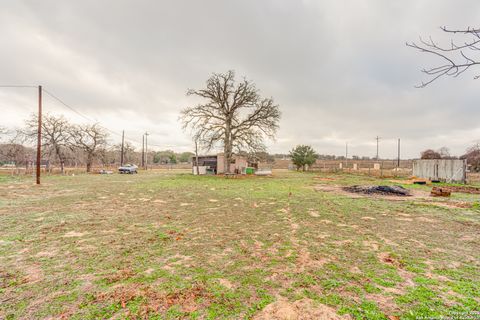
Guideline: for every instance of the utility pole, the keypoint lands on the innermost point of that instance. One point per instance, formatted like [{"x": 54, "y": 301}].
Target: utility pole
[
  {"x": 196, "y": 156},
  {"x": 398, "y": 156},
  {"x": 346, "y": 154},
  {"x": 146, "y": 151},
  {"x": 377, "y": 138},
  {"x": 39, "y": 133},
  {"x": 143, "y": 151},
  {"x": 121, "y": 155}
]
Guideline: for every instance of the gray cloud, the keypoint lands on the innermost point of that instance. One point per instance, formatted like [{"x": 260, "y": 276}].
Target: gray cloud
[{"x": 339, "y": 69}]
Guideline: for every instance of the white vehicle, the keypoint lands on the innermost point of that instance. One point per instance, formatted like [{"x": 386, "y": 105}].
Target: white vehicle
[{"x": 128, "y": 168}]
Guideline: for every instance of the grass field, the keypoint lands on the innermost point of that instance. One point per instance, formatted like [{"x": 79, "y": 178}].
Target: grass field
[{"x": 166, "y": 245}]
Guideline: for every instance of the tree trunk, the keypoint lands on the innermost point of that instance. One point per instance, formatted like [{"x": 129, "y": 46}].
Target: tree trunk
[
  {"x": 196, "y": 157},
  {"x": 227, "y": 150},
  {"x": 89, "y": 163},
  {"x": 226, "y": 160}
]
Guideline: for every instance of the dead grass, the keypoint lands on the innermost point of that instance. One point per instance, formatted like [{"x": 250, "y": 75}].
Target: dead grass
[{"x": 172, "y": 245}]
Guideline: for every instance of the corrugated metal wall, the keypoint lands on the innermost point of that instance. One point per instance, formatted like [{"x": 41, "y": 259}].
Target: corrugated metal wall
[{"x": 440, "y": 169}]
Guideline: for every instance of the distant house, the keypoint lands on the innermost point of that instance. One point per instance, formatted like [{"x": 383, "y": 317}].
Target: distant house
[{"x": 214, "y": 164}]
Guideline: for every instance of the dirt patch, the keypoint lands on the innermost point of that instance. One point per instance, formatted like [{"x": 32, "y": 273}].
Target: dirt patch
[
  {"x": 119, "y": 276},
  {"x": 47, "y": 254},
  {"x": 371, "y": 244},
  {"x": 226, "y": 283},
  {"x": 404, "y": 219},
  {"x": 385, "y": 303},
  {"x": 34, "y": 274},
  {"x": 6, "y": 278},
  {"x": 324, "y": 179},
  {"x": 449, "y": 204},
  {"x": 73, "y": 234},
  {"x": 313, "y": 213},
  {"x": 346, "y": 242},
  {"x": 387, "y": 258},
  {"x": 299, "y": 310},
  {"x": 304, "y": 260},
  {"x": 190, "y": 299},
  {"x": 326, "y": 221},
  {"x": 425, "y": 219}
]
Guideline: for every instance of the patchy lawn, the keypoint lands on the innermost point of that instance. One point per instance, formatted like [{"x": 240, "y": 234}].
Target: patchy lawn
[{"x": 166, "y": 245}]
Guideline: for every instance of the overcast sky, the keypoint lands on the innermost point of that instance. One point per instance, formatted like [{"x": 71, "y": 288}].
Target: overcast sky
[{"x": 339, "y": 70}]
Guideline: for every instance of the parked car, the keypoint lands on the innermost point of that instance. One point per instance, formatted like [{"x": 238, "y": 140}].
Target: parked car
[{"x": 128, "y": 168}]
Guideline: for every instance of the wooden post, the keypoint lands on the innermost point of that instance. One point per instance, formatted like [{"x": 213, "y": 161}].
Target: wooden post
[
  {"x": 196, "y": 157},
  {"x": 143, "y": 151},
  {"x": 146, "y": 151},
  {"x": 39, "y": 133},
  {"x": 398, "y": 157},
  {"x": 121, "y": 155}
]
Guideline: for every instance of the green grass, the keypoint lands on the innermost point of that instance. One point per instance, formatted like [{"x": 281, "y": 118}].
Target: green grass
[{"x": 169, "y": 245}]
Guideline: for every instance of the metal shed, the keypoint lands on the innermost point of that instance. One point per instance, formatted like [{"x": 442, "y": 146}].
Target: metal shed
[{"x": 447, "y": 170}]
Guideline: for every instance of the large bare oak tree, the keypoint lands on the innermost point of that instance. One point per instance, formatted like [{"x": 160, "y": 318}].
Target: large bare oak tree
[
  {"x": 456, "y": 58},
  {"x": 233, "y": 115}
]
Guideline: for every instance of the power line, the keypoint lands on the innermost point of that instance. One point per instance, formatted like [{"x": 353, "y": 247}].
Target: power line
[
  {"x": 84, "y": 116},
  {"x": 68, "y": 106},
  {"x": 16, "y": 86}
]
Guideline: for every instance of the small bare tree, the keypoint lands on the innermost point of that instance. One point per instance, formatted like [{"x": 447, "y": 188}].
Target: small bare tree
[
  {"x": 456, "y": 58},
  {"x": 233, "y": 116},
  {"x": 3, "y": 134},
  {"x": 129, "y": 154},
  {"x": 92, "y": 139},
  {"x": 56, "y": 136}
]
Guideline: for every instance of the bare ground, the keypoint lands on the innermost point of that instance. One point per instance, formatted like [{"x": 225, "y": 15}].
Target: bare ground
[{"x": 295, "y": 246}]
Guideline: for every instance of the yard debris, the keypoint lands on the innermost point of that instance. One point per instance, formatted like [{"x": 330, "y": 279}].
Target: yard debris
[
  {"x": 263, "y": 172},
  {"x": 383, "y": 190},
  {"x": 462, "y": 189},
  {"x": 440, "y": 192},
  {"x": 120, "y": 275},
  {"x": 421, "y": 182}
]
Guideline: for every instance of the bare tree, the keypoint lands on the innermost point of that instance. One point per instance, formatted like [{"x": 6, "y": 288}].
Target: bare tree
[
  {"x": 56, "y": 137},
  {"x": 12, "y": 149},
  {"x": 92, "y": 139},
  {"x": 233, "y": 116},
  {"x": 457, "y": 57},
  {"x": 129, "y": 154},
  {"x": 3, "y": 133},
  {"x": 473, "y": 157},
  {"x": 430, "y": 154}
]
